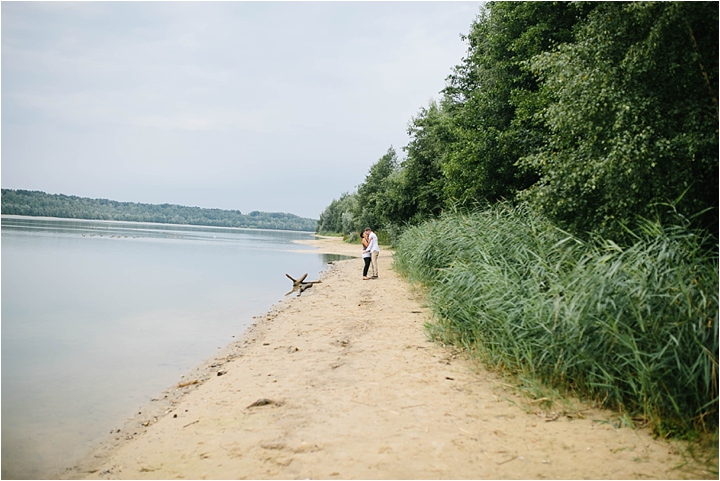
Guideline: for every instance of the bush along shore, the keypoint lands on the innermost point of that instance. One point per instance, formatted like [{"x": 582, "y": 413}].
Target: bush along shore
[{"x": 633, "y": 327}]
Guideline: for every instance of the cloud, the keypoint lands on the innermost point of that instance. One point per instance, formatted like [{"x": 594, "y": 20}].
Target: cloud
[{"x": 116, "y": 96}]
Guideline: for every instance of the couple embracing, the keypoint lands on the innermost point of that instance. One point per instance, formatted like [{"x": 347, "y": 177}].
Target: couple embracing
[{"x": 370, "y": 254}]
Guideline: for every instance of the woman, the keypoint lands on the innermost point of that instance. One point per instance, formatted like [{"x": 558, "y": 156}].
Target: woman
[{"x": 366, "y": 255}]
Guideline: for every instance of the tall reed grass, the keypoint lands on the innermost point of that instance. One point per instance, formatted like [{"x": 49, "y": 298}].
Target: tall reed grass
[{"x": 635, "y": 328}]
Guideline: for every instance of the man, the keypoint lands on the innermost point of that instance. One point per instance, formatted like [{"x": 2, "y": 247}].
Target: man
[{"x": 374, "y": 249}]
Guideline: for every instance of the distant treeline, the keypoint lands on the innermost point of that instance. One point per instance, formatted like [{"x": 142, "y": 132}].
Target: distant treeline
[{"x": 36, "y": 203}]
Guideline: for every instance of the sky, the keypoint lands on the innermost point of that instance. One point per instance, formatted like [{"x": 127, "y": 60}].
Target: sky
[{"x": 267, "y": 106}]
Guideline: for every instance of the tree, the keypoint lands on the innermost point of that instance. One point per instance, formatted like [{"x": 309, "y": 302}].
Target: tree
[
  {"x": 372, "y": 193},
  {"x": 420, "y": 192},
  {"x": 492, "y": 98},
  {"x": 632, "y": 117},
  {"x": 337, "y": 218}
]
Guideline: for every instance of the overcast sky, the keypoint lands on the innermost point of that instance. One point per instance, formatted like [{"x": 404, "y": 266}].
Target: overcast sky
[{"x": 269, "y": 106}]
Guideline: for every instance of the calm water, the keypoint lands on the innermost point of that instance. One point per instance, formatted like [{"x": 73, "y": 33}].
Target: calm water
[{"x": 97, "y": 317}]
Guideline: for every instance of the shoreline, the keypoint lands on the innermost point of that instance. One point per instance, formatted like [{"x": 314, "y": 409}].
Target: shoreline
[
  {"x": 341, "y": 383},
  {"x": 169, "y": 398}
]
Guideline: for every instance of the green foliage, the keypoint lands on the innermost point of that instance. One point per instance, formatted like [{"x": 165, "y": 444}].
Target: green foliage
[
  {"x": 595, "y": 112},
  {"x": 35, "y": 203},
  {"x": 635, "y": 328},
  {"x": 369, "y": 206},
  {"x": 632, "y": 118},
  {"x": 372, "y": 198},
  {"x": 338, "y": 217},
  {"x": 421, "y": 185},
  {"x": 492, "y": 99}
]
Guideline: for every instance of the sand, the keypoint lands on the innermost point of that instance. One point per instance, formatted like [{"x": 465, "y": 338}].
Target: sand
[{"x": 342, "y": 383}]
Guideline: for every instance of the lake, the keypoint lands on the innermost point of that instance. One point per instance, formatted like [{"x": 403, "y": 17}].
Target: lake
[{"x": 99, "y": 316}]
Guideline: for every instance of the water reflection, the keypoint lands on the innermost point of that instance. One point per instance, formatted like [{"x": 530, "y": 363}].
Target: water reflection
[{"x": 328, "y": 258}]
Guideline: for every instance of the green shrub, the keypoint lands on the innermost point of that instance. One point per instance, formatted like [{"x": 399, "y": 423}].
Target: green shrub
[{"x": 635, "y": 328}]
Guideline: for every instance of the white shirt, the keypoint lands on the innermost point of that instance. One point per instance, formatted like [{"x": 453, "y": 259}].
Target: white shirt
[{"x": 373, "y": 246}]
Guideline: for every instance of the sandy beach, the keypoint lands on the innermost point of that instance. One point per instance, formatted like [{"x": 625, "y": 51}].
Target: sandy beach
[{"x": 342, "y": 383}]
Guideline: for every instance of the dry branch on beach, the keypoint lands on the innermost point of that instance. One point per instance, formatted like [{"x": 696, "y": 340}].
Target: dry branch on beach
[{"x": 299, "y": 285}]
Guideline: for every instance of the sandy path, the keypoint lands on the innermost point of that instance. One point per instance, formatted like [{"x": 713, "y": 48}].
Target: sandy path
[{"x": 357, "y": 392}]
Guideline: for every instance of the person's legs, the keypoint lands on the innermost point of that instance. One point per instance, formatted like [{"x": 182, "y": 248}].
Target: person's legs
[
  {"x": 374, "y": 256},
  {"x": 367, "y": 265}
]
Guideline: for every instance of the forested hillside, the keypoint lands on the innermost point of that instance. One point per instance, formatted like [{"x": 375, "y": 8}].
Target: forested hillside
[
  {"x": 35, "y": 203},
  {"x": 593, "y": 113}
]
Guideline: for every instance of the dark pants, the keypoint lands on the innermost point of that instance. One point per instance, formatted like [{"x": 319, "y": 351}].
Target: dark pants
[{"x": 367, "y": 265}]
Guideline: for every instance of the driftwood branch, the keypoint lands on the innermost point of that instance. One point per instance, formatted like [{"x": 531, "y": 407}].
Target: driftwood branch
[{"x": 299, "y": 285}]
